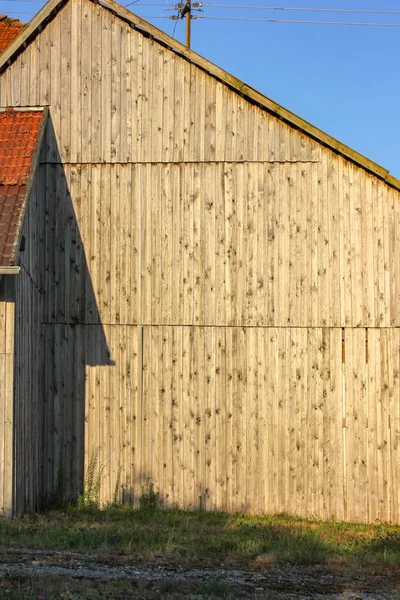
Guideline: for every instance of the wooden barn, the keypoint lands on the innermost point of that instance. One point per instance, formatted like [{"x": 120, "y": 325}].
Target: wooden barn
[{"x": 198, "y": 288}]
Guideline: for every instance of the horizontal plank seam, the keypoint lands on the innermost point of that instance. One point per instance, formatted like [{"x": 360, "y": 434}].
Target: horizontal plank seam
[
  {"x": 186, "y": 162},
  {"x": 74, "y": 323}
]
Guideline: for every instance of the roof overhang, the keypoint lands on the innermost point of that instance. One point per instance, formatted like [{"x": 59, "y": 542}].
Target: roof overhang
[
  {"x": 19, "y": 196},
  {"x": 53, "y": 6},
  {"x": 10, "y": 270}
]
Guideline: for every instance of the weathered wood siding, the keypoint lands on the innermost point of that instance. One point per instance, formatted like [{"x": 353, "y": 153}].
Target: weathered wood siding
[
  {"x": 117, "y": 96},
  {"x": 235, "y": 418},
  {"x": 7, "y": 311},
  {"x": 29, "y": 406},
  {"x": 255, "y": 244},
  {"x": 199, "y": 264}
]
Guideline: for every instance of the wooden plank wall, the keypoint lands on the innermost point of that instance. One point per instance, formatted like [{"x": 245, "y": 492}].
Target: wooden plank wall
[
  {"x": 235, "y": 418},
  {"x": 7, "y": 309},
  {"x": 198, "y": 262},
  {"x": 222, "y": 244},
  {"x": 29, "y": 360},
  {"x": 122, "y": 97}
]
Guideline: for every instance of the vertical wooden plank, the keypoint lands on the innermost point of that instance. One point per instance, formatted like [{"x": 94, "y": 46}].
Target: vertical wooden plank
[
  {"x": 76, "y": 81},
  {"x": 209, "y": 419},
  {"x": 110, "y": 226},
  {"x": 177, "y": 245},
  {"x": 146, "y": 434},
  {"x": 166, "y": 391},
  {"x": 379, "y": 272},
  {"x": 383, "y": 428},
  {"x": 160, "y": 235},
  {"x": 345, "y": 244},
  {"x": 292, "y": 422},
  {"x": 136, "y": 363},
  {"x": 281, "y": 282},
  {"x": 220, "y": 420},
  {"x": 167, "y": 314},
  {"x": 194, "y": 421},
  {"x": 96, "y": 83},
  {"x": 86, "y": 82},
  {"x": 198, "y": 247},
  {"x": 176, "y": 102},
  {"x": 65, "y": 85},
  {"x": 106, "y": 84},
  {"x": 241, "y": 245},
  {"x": 251, "y": 423},
  {"x": 144, "y": 120},
  {"x": 263, "y": 438},
  {"x": 387, "y": 258},
  {"x": 154, "y": 398},
  {"x": 272, "y": 416},
  {"x": 220, "y": 123},
  {"x": 368, "y": 254},
  {"x": 337, "y": 449},
  {"x": 395, "y": 422},
  {"x": 117, "y": 118},
  {"x": 209, "y": 247},
  {"x": 8, "y": 435},
  {"x": 393, "y": 374},
  {"x": 145, "y": 250},
  {"x": 123, "y": 245},
  {"x": 230, "y": 339},
  {"x": 135, "y": 258},
  {"x": 210, "y": 119},
  {"x": 178, "y": 412},
  {"x": 271, "y": 243}
]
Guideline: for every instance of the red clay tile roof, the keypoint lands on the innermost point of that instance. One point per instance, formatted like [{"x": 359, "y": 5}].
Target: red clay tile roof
[
  {"x": 9, "y": 29},
  {"x": 18, "y": 135}
]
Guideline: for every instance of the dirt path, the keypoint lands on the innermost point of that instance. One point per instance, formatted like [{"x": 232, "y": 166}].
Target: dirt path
[{"x": 174, "y": 581}]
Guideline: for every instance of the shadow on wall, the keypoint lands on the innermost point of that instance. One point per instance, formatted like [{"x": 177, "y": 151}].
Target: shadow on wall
[{"x": 71, "y": 334}]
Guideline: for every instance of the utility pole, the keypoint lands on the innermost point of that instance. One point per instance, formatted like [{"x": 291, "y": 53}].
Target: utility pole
[
  {"x": 188, "y": 22},
  {"x": 188, "y": 12},
  {"x": 185, "y": 9}
]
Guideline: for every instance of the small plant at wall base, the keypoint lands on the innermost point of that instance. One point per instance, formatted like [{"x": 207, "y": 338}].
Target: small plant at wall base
[
  {"x": 149, "y": 499},
  {"x": 115, "y": 504},
  {"x": 91, "y": 491}
]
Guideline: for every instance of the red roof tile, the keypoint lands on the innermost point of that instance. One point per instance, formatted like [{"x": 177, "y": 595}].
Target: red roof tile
[
  {"x": 9, "y": 29},
  {"x": 18, "y": 135}
]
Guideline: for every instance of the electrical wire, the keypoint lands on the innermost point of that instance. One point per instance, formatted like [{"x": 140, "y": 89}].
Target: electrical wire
[
  {"x": 243, "y": 7},
  {"x": 304, "y": 22},
  {"x": 290, "y": 9}
]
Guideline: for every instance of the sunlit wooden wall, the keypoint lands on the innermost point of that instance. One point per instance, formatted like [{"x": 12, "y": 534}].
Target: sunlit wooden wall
[{"x": 217, "y": 292}]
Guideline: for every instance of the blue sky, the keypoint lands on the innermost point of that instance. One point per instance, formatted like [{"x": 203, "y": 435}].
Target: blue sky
[{"x": 343, "y": 79}]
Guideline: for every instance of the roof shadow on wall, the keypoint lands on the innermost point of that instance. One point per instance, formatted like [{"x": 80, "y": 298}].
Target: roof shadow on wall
[{"x": 72, "y": 333}]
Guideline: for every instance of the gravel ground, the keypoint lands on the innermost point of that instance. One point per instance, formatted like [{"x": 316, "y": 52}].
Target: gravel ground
[{"x": 263, "y": 579}]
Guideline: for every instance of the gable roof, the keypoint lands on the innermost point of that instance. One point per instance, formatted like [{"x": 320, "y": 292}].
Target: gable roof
[
  {"x": 9, "y": 30},
  {"x": 52, "y": 7},
  {"x": 20, "y": 136}
]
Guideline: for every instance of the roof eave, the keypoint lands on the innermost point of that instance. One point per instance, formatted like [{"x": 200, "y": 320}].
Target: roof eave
[{"x": 13, "y": 270}]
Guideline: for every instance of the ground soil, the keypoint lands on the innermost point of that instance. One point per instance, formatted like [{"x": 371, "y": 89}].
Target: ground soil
[{"x": 120, "y": 577}]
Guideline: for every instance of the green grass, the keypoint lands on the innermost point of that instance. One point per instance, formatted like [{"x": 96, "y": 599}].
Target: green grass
[
  {"x": 204, "y": 537},
  {"x": 185, "y": 539}
]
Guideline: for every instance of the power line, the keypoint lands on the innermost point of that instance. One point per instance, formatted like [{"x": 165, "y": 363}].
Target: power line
[
  {"x": 242, "y": 7},
  {"x": 305, "y": 22},
  {"x": 307, "y": 9}
]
